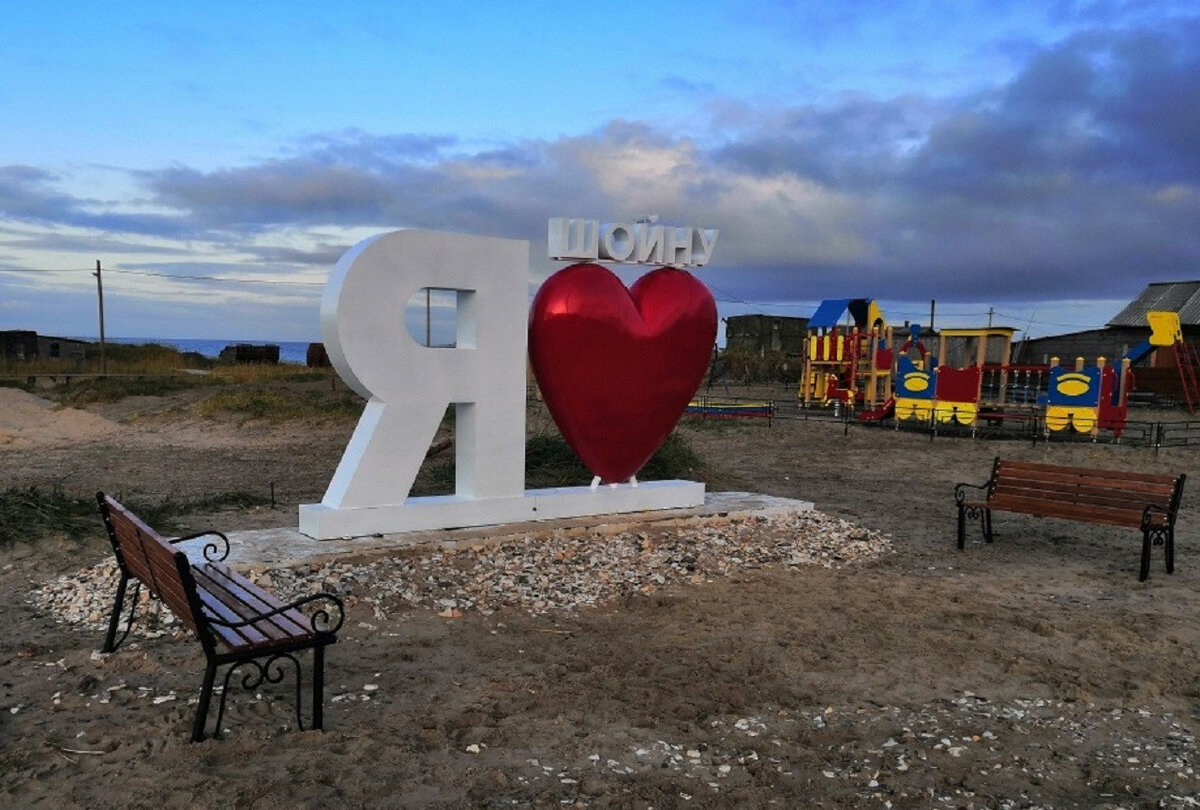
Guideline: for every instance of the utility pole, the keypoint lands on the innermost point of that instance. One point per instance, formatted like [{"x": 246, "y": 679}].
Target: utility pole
[
  {"x": 100, "y": 294},
  {"x": 990, "y": 311}
]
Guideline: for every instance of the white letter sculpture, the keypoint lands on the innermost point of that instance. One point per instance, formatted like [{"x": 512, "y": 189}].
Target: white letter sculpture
[{"x": 408, "y": 387}]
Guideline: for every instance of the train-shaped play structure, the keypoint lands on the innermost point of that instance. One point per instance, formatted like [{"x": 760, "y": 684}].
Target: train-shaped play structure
[{"x": 852, "y": 361}]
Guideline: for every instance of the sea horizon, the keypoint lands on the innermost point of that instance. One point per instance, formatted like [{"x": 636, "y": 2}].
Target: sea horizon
[{"x": 290, "y": 351}]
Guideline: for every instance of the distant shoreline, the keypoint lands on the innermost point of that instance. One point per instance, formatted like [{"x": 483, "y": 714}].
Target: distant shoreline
[{"x": 290, "y": 351}]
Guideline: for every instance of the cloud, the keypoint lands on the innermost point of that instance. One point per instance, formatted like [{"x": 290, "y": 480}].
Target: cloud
[
  {"x": 1077, "y": 177},
  {"x": 26, "y": 193}
]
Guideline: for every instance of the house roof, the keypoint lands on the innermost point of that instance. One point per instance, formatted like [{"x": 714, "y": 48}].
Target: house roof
[{"x": 1182, "y": 297}]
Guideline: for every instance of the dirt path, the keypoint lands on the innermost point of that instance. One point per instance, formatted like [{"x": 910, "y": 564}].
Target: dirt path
[{"x": 1035, "y": 672}]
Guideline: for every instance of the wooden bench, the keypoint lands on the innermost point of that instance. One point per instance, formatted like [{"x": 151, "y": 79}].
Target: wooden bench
[
  {"x": 1105, "y": 497},
  {"x": 238, "y": 623}
]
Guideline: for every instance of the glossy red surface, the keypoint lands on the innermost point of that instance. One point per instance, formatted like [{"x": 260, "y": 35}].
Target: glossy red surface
[{"x": 617, "y": 366}]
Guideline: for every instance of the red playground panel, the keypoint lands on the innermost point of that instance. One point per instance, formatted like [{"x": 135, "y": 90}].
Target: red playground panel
[{"x": 958, "y": 384}]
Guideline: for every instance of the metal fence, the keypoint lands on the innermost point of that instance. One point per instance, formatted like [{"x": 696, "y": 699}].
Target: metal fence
[{"x": 1020, "y": 425}]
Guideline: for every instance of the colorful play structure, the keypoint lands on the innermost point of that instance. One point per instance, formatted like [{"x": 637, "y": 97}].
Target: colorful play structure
[
  {"x": 852, "y": 362},
  {"x": 847, "y": 363}
]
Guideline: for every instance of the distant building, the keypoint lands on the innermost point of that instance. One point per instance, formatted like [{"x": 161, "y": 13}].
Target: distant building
[
  {"x": 1157, "y": 372},
  {"x": 16, "y": 345},
  {"x": 1182, "y": 297},
  {"x": 249, "y": 353},
  {"x": 19, "y": 345},
  {"x": 316, "y": 356},
  {"x": 1126, "y": 330},
  {"x": 1111, "y": 343},
  {"x": 759, "y": 334}
]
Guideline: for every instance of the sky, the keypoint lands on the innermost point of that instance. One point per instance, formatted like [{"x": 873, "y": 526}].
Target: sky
[{"x": 1032, "y": 163}]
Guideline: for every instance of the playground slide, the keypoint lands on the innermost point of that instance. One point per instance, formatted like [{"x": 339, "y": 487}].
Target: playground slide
[{"x": 879, "y": 414}]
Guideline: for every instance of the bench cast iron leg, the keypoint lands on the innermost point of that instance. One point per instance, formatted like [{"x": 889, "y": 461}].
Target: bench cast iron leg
[
  {"x": 210, "y": 675},
  {"x": 1145, "y": 569},
  {"x": 116, "y": 615},
  {"x": 985, "y": 522},
  {"x": 318, "y": 716},
  {"x": 1170, "y": 550}
]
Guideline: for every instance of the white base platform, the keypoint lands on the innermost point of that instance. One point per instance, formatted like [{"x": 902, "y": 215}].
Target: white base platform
[
  {"x": 285, "y": 547},
  {"x": 452, "y": 511}
]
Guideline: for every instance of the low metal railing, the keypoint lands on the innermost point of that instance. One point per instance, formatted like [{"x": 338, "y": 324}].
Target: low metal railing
[{"x": 1023, "y": 425}]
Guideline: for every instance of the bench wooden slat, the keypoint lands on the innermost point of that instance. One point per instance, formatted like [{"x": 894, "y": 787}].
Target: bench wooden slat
[
  {"x": 1144, "y": 492},
  {"x": 223, "y": 596},
  {"x": 255, "y": 600},
  {"x": 1113, "y": 502},
  {"x": 234, "y": 637},
  {"x": 166, "y": 582},
  {"x": 1071, "y": 478},
  {"x": 1085, "y": 492},
  {"x": 1063, "y": 511},
  {"x": 1088, "y": 513},
  {"x": 131, "y": 552},
  {"x": 1121, "y": 476}
]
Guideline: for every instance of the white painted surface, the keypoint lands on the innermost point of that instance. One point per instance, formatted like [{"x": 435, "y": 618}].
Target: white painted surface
[
  {"x": 632, "y": 243},
  {"x": 409, "y": 386},
  {"x": 456, "y": 511}
]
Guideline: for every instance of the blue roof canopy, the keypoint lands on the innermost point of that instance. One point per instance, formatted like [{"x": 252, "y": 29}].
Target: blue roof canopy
[
  {"x": 828, "y": 313},
  {"x": 831, "y": 310}
]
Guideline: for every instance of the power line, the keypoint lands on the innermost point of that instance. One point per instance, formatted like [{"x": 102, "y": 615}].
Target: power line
[
  {"x": 219, "y": 278},
  {"x": 1044, "y": 323},
  {"x": 39, "y": 270},
  {"x": 720, "y": 294},
  {"x": 178, "y": 277}
]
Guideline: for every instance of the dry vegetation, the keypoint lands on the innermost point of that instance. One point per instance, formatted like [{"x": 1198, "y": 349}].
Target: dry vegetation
[{"x": 1034, "y": 672}]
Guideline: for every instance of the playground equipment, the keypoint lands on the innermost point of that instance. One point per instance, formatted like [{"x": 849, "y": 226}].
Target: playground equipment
[
  {"x": 977, "y": 380},
  {"x": 1096, "y": 397},
  {"x": 1165, "y": 330},
  {"x": 1088, "y": 398},
  {"x": 953, "y": 392},
  {"x": 850, "y": 360},
  {"x": 847, "y": 363}
]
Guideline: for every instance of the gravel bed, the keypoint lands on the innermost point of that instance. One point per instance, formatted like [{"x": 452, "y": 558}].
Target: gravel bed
[
  {"x": 1120, "y": 754},
  {"x": 561, "y": 570}
]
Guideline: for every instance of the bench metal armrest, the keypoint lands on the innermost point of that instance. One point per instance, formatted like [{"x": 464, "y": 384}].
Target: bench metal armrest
[
  {"x": 960, "y": 490},
  {"x": 326, "y": 619},
  {"x": 215, "y": 550},
  {"x": 1155, "y": 509}
]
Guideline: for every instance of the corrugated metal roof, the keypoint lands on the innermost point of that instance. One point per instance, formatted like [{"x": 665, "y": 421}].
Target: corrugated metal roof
[{"x": 1171, "y": 296}]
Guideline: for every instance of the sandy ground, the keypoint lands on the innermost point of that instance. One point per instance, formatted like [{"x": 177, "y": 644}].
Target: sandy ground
[{"x": 1034, "y": 672}]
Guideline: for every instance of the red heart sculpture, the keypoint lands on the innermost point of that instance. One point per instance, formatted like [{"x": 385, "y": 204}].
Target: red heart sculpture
[{"x": 617, "y": 366}]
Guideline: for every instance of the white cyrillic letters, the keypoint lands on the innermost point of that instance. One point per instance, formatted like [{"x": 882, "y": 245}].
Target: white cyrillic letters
[
  {"x": 618, "y": 242},
  {"x": 409, "y": 386},
  {"x": 707, "y": 238},
  {"x": 638, "y": 243},
  {"x": 577, "y": 238}
]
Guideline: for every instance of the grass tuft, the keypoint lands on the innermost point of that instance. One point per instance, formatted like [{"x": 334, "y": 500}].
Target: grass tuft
[
  {"x": 278, "y": 405},
  {"x": 550, "y": 462},
  {"x": 30, "y": 513},
  {"x": 113, "y": 389}
]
